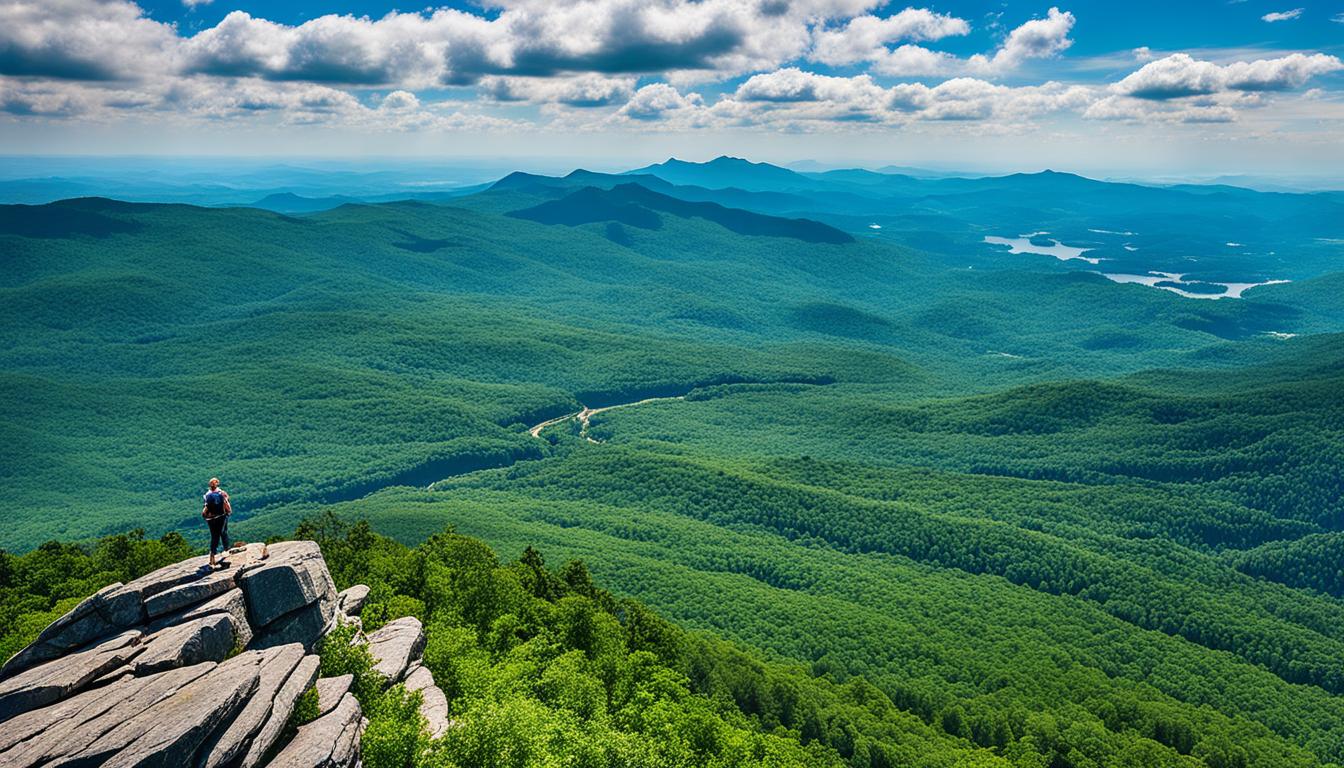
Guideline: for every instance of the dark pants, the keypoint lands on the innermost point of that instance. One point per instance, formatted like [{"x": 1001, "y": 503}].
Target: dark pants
[{"x": 219, "y": 533}]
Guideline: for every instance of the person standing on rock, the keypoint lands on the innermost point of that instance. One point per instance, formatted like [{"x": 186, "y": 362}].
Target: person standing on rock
[{"x": 216, "y": 513}]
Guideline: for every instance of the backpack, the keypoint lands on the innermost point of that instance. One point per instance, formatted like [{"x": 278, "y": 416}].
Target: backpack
[{"x": 214, "y": 503}]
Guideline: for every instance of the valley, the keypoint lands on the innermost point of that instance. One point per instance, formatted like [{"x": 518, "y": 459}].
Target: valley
[{"x": 1031, "y": 513}]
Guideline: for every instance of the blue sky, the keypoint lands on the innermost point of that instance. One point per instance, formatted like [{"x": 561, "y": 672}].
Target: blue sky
[{"x": 1142, "y": 87}]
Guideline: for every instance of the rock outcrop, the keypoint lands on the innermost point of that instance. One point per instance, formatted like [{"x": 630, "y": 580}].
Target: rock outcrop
[
  {"x": 185, "y": 666},
  {"x": 189, "y": 666}
]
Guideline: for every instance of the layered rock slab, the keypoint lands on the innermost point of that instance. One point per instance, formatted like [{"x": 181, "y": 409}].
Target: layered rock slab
[
  {"x": 433, "y": 702},
  {"x": 330, "y": 741},
  {"x": 140, "y": 674},
  {"x": 285, "y": 673},
  {"x": 54, "y": 680},
  {"x": 42, "y": 736},
  {"x": 395, "y": 646},
  {"x": 330, "y": 691}
]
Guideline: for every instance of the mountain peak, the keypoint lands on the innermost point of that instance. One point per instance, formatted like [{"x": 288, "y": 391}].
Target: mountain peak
[{"x": 726, "y": 171}]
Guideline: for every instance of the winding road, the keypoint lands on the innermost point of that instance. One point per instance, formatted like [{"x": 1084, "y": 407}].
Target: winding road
[{"x": 587, "y": 413}]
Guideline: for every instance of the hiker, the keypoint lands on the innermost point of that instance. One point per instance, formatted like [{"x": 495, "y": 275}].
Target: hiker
[{"x": 216, "y": 513}]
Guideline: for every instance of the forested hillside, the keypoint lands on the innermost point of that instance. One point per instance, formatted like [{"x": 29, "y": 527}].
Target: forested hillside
[
  {"x": 541, "y": 666},
  {"x": 324, "y": 357},
  {"x": 976, "y": 557},
  {"x": 900, "y": 496}
]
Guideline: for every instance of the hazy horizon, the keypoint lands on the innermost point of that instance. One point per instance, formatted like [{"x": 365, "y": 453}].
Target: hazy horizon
[
  {"x": 1132, "y": 90},
  {"x": 472, "y": 170}
]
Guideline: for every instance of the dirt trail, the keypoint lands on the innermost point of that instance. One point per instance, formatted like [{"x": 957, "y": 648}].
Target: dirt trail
[{"x": 585, "y": 415}]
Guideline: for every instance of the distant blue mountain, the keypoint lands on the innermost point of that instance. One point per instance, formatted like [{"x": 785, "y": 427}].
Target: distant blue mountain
[
  {"x": 288, "y": 202},
  {"x": 637, "y": 206},
  {"x": 727, "y": 171}
]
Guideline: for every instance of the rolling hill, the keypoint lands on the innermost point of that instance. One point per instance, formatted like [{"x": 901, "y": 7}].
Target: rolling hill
[{"x": 994, "y": 503}]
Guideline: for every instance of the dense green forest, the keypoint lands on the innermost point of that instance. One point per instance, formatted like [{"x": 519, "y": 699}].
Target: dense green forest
[
  {"x": 898, "y": 497},
  {"x": 323, "y": 357},
  {"x": 541, "y": 666}
]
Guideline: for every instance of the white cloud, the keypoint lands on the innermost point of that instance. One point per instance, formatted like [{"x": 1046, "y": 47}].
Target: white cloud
[
  {"x": 1180, "y": 75},
  {"x": 794, "y": 85},
  {"x": 1036, "y": 39},
  {"x": 1282, "y": 15},
  {"x": 98, "y": 40},
  {"x": 575, "y": 91},
  {"x": 793, "y": 99},
  {"x": 865, "y": 38},
  {"x": 718, "y": 38},
  {"x": 397, "y": 49},
  {"x": 1127, "y": 109},
  {"x": 915, "y": 61},
  {"x": 194, "y": 3},
  {"x": 399, "y": 101},
  {"x": 589, "y": 64},
  {"x": 658, "y": 101}
]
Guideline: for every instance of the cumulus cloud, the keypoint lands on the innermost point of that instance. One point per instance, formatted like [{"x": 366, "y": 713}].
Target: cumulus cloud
[
  {"x": 658, "y": 101},
  {"x": 795, "y": 85},
  {"x": 1180, "y": 75},
  {"x": 577, "y": 91},
  {"x": 868, "y": 39},
  {"x": 330, "y": 49},
  {"x": 82, "y": 40},
  {"x": 1127, "y": 109},
  {"x": 679, "y": 39},
  {"x": 865, "y": 38},
  {"x": 1282, "y": 15},
  {"x": 1036, "y": 39},
  {"x": 795, "y": 99},
  {"x": 70, "y": 38},
  {"x": 400, "y": 101},
  {"x": 589, "y": 64}
]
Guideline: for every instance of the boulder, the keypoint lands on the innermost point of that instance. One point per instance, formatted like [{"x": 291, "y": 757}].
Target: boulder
[
  {"x": 277, "y": 690},
  {"x": 294, "y": 576},
  {"x": 331, "y": 741},
  {"x": 208, "y": 638},
  {"x": 351, "y": 601},
  {"x": 395, "y": 646},
  {"x": 56, "y": 679},
  {"x": 433, "y": 702},
  {"x": 330, "y": 691}
]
